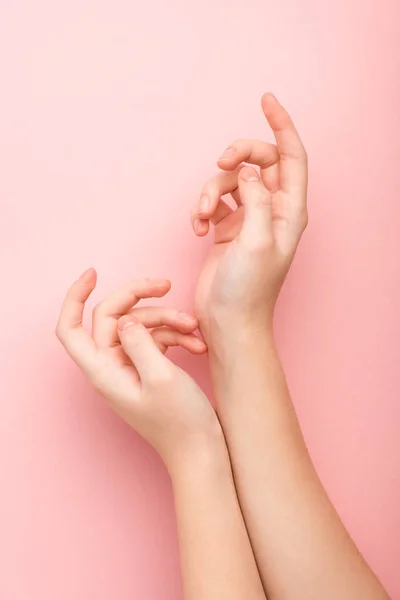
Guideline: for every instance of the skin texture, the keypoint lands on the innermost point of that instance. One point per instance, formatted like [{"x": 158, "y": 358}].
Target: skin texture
[
  {"x": 123, "y": 358},
  {"x": 302, "y": 549}
]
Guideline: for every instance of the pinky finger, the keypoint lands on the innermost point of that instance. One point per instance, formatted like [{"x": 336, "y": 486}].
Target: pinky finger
[{"x": 164, "y": 337}]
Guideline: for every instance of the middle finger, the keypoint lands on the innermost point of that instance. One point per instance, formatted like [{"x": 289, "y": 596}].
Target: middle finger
[{"x": 107, "y": 313}]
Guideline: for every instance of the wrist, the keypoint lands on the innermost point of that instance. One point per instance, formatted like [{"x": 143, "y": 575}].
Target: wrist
[
  {"x": 201, "y": 452},
  {"x": 229, "y": 329}
]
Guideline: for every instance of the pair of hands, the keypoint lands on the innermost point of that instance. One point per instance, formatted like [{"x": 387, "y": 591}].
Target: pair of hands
[{"x": 124, "y": 356}]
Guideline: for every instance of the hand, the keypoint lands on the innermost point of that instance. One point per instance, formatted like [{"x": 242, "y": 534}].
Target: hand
[
  {"x": 125, "y": 362},
  {"x": 255, "y": 244}
]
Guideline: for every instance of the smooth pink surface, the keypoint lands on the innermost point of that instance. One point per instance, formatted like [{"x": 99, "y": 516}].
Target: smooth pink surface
[{"x": 112, "y": 115}]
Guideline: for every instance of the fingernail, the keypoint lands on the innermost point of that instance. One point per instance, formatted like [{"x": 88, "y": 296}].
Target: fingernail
[
  {"x": 248, "y": 174},
  {"x": 228, "y": 153},
  {"x": 127, "y": 321},
  {"x": 196, "y": 225},
  {"x": 204, "y": 204}
]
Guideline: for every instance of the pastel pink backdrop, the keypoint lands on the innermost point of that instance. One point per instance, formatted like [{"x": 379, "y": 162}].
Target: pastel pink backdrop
[{"x": 112, "y": 116}]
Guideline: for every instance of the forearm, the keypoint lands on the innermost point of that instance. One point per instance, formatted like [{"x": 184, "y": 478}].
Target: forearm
[
  {"x": 216, "y": 556},
  {"x": 301, "y": 546}
]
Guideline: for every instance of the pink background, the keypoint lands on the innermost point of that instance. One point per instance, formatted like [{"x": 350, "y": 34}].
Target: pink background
[{"x": 112, "y": 116}]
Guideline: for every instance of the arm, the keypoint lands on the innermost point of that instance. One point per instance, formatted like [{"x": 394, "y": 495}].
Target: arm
[
  {"x": 124, "y": 359},
  {"x": 216, "y": 557},
  {"x": 302, "y": 549}
]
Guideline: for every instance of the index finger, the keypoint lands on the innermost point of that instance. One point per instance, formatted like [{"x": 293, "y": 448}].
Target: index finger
[
  {"x": 292, "y": 154},
  {"x": 107, "y": 313},
  {"x": 254, "y": 152},
  {"x": 75, "y": 339}
]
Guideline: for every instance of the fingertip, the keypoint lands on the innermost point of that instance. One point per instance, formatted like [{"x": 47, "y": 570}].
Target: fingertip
[
  {"x": 127, "y": 321},
  {"x": 187, "y": 322},
  {"x": 268, "y": 98},
  {"x": 161, "y": 286},
  {"x": 201, "y": 227},
  {"x": 84, "y": 285},
  {"x": 248, "y": 174},
  {"x": 228, "y": 165},
  {"x": 229, "y": 159},
  {"x": 199, "y": 347},
  {"x": 88, "y": 276}
]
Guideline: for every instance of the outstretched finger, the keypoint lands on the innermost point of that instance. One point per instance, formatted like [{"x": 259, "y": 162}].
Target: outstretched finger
[
  {"x": 166, "y": 337},
  {"x": 70, "y": 331},
  {"x": 107, "y": 313},
  {"x": 154, "y": 316},
  {"x": 292, "y": 154}
]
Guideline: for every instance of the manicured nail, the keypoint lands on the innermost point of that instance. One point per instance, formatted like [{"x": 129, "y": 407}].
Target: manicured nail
[
  {"x": 196, "y": 225},
  {"x": 127, "y": 321},
  {"x": 228, "y": 153},
  {"x": 204, "y": 204},
  {"x": 249, "y": 174}
]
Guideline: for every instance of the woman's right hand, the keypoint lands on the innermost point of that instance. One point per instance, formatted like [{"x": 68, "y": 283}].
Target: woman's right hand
[
  {"x": 254, "y": 244},
  {"x": 124, "y": 360}
]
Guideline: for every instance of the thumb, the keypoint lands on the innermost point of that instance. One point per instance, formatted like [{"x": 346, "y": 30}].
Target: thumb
[
  {"x": 257, "y": 226},
  {"x": 139, "y": 345}
]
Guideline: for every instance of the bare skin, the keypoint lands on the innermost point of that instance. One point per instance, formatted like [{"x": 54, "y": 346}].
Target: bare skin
[
  {"x": 124, "y": 359},
  {"x": 302, "y": 549}
]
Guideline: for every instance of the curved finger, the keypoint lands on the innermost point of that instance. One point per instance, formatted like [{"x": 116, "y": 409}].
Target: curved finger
[
  {"x": 75, "y": 339},
  {"x": 107, "y": 313},
  {"x": 255, "y": 152},
  {"x": 154, "y": 316},
  {"x": 292, "y": 154},
  {"x": 222, "y": 211},
  {"x": 200, "y": 226},
  {"x": 257, "y": 229},
  {"x": 165, "y": 337},
  {"x": 138, "y": 343},
  {"x": 223, "y": 183}
]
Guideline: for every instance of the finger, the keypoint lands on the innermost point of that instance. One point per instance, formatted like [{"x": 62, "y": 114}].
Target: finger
[
  {"x": 141, "y": 348},
  {"x": 222, "y": 211},
  {"x": 236, "y": 196},
  {"x": 154, "y": 316},
  {"x": 200, "y": 226},
  {"x": 223, "y": 183},
  {"x": 107, "y": 313},
  {"x": 254, "y": 152},
  {"x": 75, "y": 339},
  {"x": 292, "y": 155},
  {"x": 165, "y": 337},
  {"x": 257, "y": 224}
]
